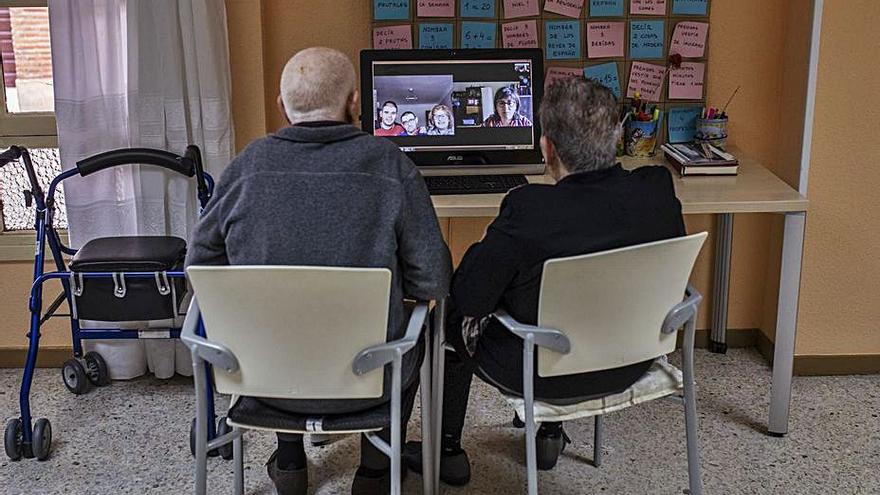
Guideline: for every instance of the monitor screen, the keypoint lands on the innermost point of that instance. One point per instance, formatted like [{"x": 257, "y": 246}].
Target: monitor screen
[{"x": 455, "y": 107}]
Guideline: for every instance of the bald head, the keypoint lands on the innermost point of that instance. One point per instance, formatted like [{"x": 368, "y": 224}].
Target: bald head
[{"x": 318, "y": 84}]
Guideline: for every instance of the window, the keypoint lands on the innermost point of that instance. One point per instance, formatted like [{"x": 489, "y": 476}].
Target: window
[{"x": 27, "y": 107}]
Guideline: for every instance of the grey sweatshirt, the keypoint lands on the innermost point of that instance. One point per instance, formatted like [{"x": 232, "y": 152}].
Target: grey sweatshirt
[{"x": 328, "y": 195}]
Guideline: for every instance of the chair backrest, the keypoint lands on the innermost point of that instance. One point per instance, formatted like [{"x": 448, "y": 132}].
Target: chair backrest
[
  {"x": 295, "y": 330},
  {"x": 612, "y": 304}
]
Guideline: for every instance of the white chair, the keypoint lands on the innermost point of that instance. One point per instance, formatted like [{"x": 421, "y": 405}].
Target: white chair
[
  {"x": 606, "y": 310},
  {"x": 289, "y": 332}
]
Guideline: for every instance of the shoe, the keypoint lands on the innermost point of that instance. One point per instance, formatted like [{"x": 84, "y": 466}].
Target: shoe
[
  {"x": 455, "y": 468},
  {"x": 549, "y": 444},
  {"x": 287, "y": 481},
  {"x": 517, "y": 423},
  {"x": 373, "y": 482}
]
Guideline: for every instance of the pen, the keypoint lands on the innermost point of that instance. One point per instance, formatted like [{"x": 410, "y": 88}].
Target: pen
[{"x": 656, "y": 115}]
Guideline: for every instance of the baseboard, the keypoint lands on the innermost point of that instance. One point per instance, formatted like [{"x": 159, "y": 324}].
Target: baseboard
[
  {"x": 48, "y": 357},
  {"x": 814, "y": 365}
]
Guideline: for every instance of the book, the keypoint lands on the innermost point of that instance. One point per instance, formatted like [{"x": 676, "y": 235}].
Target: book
[{"x": 700, "y": 159}]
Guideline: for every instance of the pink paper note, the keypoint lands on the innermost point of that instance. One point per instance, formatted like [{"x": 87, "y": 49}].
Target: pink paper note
[
  {"x": 393, "y": 37},
  {"x": 605, "y": 39},
  {"x": 689, "y": 39},
  {"x": 556, "y": 73},
  {"x": 520, "y": 8},
  {"x": 522, "y": 34},
  {"x": 647, "y": 7},
  {"x": 686, "y": 83},
  {"x": 571, "y": 8},
  {"x": 436, "y": 8},
  {"x": 647, "y": 79}
]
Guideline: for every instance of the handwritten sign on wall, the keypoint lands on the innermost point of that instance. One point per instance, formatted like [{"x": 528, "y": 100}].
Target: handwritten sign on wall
[
  {"x": 522, "y": 34},
  {"x": 556, "y": 73},
  {"x": 686, "y": 83},
  {"x": 605, "y": 39},
  {"x": 477, "y": 8},
  {"x": 689, "y": 39},
  {"x": 436, "y": 8},
  {"x": 570, "y": 8},
  {"x": 478, "y": 34},
  {"x": 690, "y": 7},
  {"x": 647, "y": 7},
  {"x": 385, "y": 10},
  {"x": 606, "y": 75},
  {"x": 563, "y": 40},
  {"x": 647, "y": 80},
  {"x": 435, "y": 36},
  {"x": 520, "y": 8},
  {"x": 646, "y": 39},
  {"x": 393, "y": 37},
  {"x": 606, "y": 8}
]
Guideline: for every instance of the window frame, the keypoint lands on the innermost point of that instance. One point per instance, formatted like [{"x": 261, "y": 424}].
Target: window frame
[{"x": 31, "y": 130}]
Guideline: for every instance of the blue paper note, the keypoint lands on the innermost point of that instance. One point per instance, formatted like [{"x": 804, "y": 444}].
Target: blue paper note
[
  {"x": 387, "y": 10},
  {"x": 606, "y": 8},
  {"x": 478, "y": 34},
  {"x": 683, "y": 124},
  {"x": 477, "y": 8},
  {"x": 690, "y": 7},
  {"x": 606, "y": 75},
  {"x": 435, "y": 36},
  {"x": 646, "y": 39},
  {"x": 563, "y": 40}
]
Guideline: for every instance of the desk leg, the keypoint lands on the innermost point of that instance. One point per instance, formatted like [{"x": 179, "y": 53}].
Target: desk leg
[
  {"x": 721, "y": 287},
  {"x": 786, "y": 322},
  {"x": 438, "y": 363}
]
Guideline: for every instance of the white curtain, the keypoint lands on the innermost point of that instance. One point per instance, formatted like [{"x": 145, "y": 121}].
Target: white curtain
[{"x": 131, "y": 73}]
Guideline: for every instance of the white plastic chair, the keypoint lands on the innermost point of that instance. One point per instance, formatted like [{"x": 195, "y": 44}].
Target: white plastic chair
[
  {"x": 606, "y": 310},
  {"x": 290, "y": 332}
]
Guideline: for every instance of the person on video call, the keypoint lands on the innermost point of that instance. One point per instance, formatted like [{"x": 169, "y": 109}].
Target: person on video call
[
  {"x": 359, "y": 202},
  {"x": 440, "y": 121},
  {"x": 387, "y": 117},
  {"x": 411, "y": 125},
  {"x": 595, "y": 205},
  {"x": 507, "y": 110}
]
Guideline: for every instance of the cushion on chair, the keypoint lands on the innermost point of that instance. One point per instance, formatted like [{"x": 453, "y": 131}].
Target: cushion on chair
[
  {"x": 660, "y": 380},
  {"x": 130, "y": 254}
]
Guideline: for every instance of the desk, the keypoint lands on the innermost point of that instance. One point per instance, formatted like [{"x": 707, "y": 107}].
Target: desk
[{"x": 754, "y": 190}]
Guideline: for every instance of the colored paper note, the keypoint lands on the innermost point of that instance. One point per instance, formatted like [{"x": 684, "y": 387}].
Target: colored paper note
[
  {"x": 570, "y": 8},
  {"x": 477, "y": 8},
  {"x": 522, "y": 34},
  {"x": 386, "y": 10},
  {"x": 605, "y": 39},
  {"x": 646, "y": 39},
  {"x": 689, "y": 39},
  {"x": 557, "y": 73},
  {"x": 563, "y": 40},
  {"x": 478, "y": 34},
  {"x": 606, "y": 8},
  {"x": 683, "y": 124},
  {"x": 520, "y": 8},
  {"x": 646, "y": 79},
  {"x": 435, "y": 8},
  {"x": 606, "y": 75},
  {"x": 393, "y": 37},
  {"x": 647, "y": 7},
  {"x": 690, "y": 7},
  {"x": 435, "y": 36},
  {"x": 686, "y": 82}
]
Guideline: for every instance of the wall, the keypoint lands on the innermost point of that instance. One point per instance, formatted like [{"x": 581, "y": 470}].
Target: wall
[{"x": 840, "y": 286}]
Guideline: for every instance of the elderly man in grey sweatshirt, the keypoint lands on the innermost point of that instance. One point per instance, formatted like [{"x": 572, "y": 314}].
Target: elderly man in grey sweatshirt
[{"x": 321, "y": 192}]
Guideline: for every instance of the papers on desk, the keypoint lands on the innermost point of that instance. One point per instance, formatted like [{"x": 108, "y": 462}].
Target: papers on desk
[{"x": 696, "y": 159}]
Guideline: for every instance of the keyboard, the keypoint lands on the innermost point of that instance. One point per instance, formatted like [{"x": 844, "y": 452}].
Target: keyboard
[{"x": 473, "y": 184}]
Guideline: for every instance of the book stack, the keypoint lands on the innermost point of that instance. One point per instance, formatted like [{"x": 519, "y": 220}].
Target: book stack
[{"x": 700, "y": 159}]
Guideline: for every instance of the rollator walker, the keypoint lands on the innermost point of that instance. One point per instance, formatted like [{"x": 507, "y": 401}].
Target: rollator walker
[{"x": 129, "y": 282}]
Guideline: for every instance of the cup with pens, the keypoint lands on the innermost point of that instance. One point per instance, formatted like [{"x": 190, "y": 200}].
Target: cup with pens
[
  {"x": 641, "y": 123},
  {"x": 712, "y": 125}
]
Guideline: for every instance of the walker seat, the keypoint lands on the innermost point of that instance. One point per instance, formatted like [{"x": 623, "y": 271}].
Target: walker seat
[{"x": 122, "y": 298}]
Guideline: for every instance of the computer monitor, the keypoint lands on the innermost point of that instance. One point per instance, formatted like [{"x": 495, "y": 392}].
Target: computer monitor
[{"x": 456, "y": 112}]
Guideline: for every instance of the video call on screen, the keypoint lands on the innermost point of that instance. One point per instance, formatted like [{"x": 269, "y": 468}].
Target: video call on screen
[{"x": 439, "y": 106}]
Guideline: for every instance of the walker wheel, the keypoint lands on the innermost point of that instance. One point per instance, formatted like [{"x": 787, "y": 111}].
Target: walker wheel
[
  {"x": 42, "y": 439},
  {"x": 225, "y": 450},
  {"x": 96, "y": 369},
  {"x": 12, "y": 439},
  {"x": 75, "y": 377}
]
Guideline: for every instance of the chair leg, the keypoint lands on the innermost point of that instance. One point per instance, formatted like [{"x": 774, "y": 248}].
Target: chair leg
[
  {"x": 396, "y": 424},
  {"x": 201, "y": 428},
  {"x": 690, "y": 411},
  {"x": 238, "y": 459},
  {"x": 598, "y": 439},
  {"x": 427, "y": 421},
  {"x": 531, "y": 427},
  {"x": 439, "y": 361}
]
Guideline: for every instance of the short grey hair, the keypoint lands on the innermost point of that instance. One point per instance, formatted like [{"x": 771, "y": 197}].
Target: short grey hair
[
  {"x": 580, "y": 117},
  {"x": 316, "y": 84}
]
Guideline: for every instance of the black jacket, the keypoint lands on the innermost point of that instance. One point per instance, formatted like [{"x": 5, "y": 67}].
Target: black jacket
[{"x": 583, "y": 213}]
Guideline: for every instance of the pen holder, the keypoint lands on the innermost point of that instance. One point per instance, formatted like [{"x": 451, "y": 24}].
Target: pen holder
[
  {"x": 712, "y": 131},
  {"x": 641, "y": 138}
]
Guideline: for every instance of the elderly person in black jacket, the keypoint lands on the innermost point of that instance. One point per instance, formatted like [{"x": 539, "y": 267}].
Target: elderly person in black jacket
[
  {"x": 322, "y": 192},
  {"x": 595, "y": 205}
]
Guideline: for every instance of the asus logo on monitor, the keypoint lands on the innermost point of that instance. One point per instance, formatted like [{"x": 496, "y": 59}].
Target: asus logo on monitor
[{"x": 455, "y": 158}]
